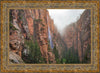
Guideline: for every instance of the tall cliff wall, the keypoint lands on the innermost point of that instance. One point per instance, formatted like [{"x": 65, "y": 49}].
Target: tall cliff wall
[
  {"x": 78, "y": 35},
  {"x": 30, "y": 24}
]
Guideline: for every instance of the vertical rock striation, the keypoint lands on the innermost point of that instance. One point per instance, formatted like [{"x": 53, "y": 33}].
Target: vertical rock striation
[
  {"x": 30, "y": 23},
  {"x": 78, "y": 35}
]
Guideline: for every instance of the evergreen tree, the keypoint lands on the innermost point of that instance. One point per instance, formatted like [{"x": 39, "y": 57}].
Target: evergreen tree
[
  {"x": 55, "y": 51},
  {"x": 34, "y": 55},
  {"x": 71, "y": 56}
]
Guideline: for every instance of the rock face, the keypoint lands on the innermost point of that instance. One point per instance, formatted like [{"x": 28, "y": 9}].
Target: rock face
[
  {"x": 28, "y": 24},
  {"x": 78, "y": 34},
  {"x": 16, "y": 42},
  {"x": 51, "y": 57},
  {"x": 14, "y": 58}
]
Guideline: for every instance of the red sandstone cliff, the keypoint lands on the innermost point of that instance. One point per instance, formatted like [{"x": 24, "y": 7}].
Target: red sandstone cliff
[
  {"x": 31, "y": 23},
  {"x": 78, "y": 34}
]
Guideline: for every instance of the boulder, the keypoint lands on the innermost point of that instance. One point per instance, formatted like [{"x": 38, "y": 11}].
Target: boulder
[{"x": 14, "y": 58}]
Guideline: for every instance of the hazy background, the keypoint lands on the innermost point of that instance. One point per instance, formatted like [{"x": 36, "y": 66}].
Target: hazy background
[{"x": 64, "y": 17}]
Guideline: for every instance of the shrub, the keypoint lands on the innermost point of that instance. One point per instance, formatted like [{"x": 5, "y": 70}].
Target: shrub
[
  {"x": 38, "y": 20},
  {"x": 12, "y": 27},
  {"x": 43, "y": 25}
]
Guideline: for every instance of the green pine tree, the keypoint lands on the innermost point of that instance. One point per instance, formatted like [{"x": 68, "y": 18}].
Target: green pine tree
[
  {"x": 34, "y": 55},
  {"x": 55, "y": 51}
]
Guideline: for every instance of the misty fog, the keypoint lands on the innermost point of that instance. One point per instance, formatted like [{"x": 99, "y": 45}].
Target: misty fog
[{"x": 64, "y": 17}]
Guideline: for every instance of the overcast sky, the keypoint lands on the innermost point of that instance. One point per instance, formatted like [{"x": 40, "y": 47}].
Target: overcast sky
[{"x": 63, "y": 17}]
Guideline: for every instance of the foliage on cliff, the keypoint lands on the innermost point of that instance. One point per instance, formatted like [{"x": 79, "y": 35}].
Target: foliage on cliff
[
  {"x": 12, "y": 27},
  {"x": 10, "y": 21}
]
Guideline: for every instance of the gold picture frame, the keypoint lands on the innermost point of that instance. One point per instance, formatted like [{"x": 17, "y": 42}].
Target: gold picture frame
[{"x": 92, "y": 5}]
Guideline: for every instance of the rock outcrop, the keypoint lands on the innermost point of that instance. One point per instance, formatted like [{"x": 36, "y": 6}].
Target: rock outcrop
[
  {"x": 14, "y": 58},
  {"x": 16, "y": 41}
]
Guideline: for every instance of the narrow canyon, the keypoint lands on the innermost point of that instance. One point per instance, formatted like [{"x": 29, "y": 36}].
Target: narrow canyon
[{"x": 34, "y": 38}]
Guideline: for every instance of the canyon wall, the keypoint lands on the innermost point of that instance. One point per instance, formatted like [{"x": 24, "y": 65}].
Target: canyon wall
[
  {"x": 30, "y": 24},
  {"x": 78, "y": 35}
]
